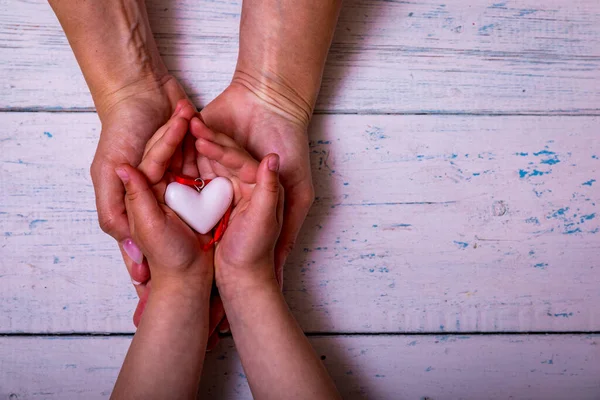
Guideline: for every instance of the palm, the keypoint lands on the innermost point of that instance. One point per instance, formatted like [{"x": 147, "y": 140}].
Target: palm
[
  {"x": 261, "y": 129},
  {"x": 129, "y": 124}
]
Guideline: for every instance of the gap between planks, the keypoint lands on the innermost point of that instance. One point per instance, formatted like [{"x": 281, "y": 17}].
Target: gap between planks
[
  {"x": 546, "y": 113},
  {"x": 315, "y": 334}
]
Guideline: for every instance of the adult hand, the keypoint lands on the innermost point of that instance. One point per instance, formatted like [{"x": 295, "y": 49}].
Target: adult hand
[
  {"x": 128, "y": 122},
  {"x": 262, "y": 128}
]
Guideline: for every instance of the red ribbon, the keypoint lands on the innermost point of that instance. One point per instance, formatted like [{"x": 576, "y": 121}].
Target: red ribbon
[{"x": 186, "y": 180}]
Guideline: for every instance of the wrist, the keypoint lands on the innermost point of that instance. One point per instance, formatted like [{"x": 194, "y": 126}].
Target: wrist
[
  {"x": 181, "y": 293},
  {"x": 193, "y": 285},
  {"x": 114, "y": 46},
  {"x": 155, "y": 96},
  {"x": 272, "y": 90},
  {"x": 240, "y": 285}
]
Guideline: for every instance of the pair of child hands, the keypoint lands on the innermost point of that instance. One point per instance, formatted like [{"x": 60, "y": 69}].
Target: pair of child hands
[
  {"x": 166, "y": 356},
  {"x": 245, "y": 254}
]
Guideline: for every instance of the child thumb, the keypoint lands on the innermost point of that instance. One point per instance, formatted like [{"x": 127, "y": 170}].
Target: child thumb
[
  {"x": 266, "y": 192},
  {"x": 140, "y": 202}
]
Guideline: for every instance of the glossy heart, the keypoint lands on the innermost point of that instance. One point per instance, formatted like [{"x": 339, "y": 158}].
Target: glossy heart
[{"x": 200, "y": 210}]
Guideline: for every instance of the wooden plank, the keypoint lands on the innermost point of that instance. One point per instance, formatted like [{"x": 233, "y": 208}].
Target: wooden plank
[
  {"x": 515, "y": 57},
  {"x": 421, "y": 224},
  {"x": 378, "y": 367}
]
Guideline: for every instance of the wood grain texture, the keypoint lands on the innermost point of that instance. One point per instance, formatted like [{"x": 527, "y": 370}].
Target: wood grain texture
[
  {"x": 373, "y": 367},
  {"x": 421, "y": 224},
  {"x": 507, "y": 57}
]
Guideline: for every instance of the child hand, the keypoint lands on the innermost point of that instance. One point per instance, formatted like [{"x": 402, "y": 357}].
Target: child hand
[
  {"x": 245, "y": 254},
  {"x": 173, "y": 250}
]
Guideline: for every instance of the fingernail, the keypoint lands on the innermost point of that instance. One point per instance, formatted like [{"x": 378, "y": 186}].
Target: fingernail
[
  {"x": 224, "y": 330},
  {"x": 177, "y": 109},
  {"x": 273, "y": 163},
  {"x": 133, "y": 251},
  {"x": 135, "y": 283},
  {"x": 122, "y": 174}
]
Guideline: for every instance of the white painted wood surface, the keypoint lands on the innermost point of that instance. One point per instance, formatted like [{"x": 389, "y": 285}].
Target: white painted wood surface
[
  {"x": 421, "y": 224},
  {"x": 514, "y": 56},
  {"x": 366, "y": 367}
]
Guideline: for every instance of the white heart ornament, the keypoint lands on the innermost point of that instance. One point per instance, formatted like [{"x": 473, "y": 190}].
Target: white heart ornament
[{"x": 200, "y": 210}]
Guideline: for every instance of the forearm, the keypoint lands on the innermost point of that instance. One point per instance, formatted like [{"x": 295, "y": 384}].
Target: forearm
[
  {"x": 166, "y": 355},
  {"x": 283, "y": 47},
  {"x": 277, "y": 358},
  {"x": 114, "y": 47}
]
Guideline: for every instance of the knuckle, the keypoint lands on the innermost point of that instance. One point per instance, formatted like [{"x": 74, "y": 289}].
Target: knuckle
[
  {"x": 107, "y": 223},
  {"x": 307, "y": 197},
  {"x": 272, "y": 187},
  {"x": 95, "y": 169},
  {"x": 137, "y": 194}
]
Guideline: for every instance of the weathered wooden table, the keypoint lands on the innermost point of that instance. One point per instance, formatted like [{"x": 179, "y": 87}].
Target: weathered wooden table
[{"x": 452, "y": 251}]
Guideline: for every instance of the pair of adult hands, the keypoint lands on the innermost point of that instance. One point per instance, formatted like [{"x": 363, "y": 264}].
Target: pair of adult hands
[{"x": 239, "y": 112}]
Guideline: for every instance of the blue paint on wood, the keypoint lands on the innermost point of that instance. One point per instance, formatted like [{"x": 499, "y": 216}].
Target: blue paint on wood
[
  {"x": 544, "y": 153},
  {"x": 589, "y": 183},
  {"x": 524, "y": 12},
  {"x": 376, "y": 133},
  {"x": 571, "y": 231},
  {"x": 462, "y": 245},
  {"x": 559, "y": 212},
  {"x": 33, "y": 224},
  {"x": 484, "y": 29},
  {"x": 48, "y": 134},
  {"x": 551, "y": 161},
  {"x": 587, "y": 217},
  {"x": 536, "y": 172}
]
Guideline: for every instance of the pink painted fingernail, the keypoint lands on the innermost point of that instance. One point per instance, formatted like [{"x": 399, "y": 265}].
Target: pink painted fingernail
[
  {"x": 177, "y": 109},
  {"x": 132, "y": 251}
]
